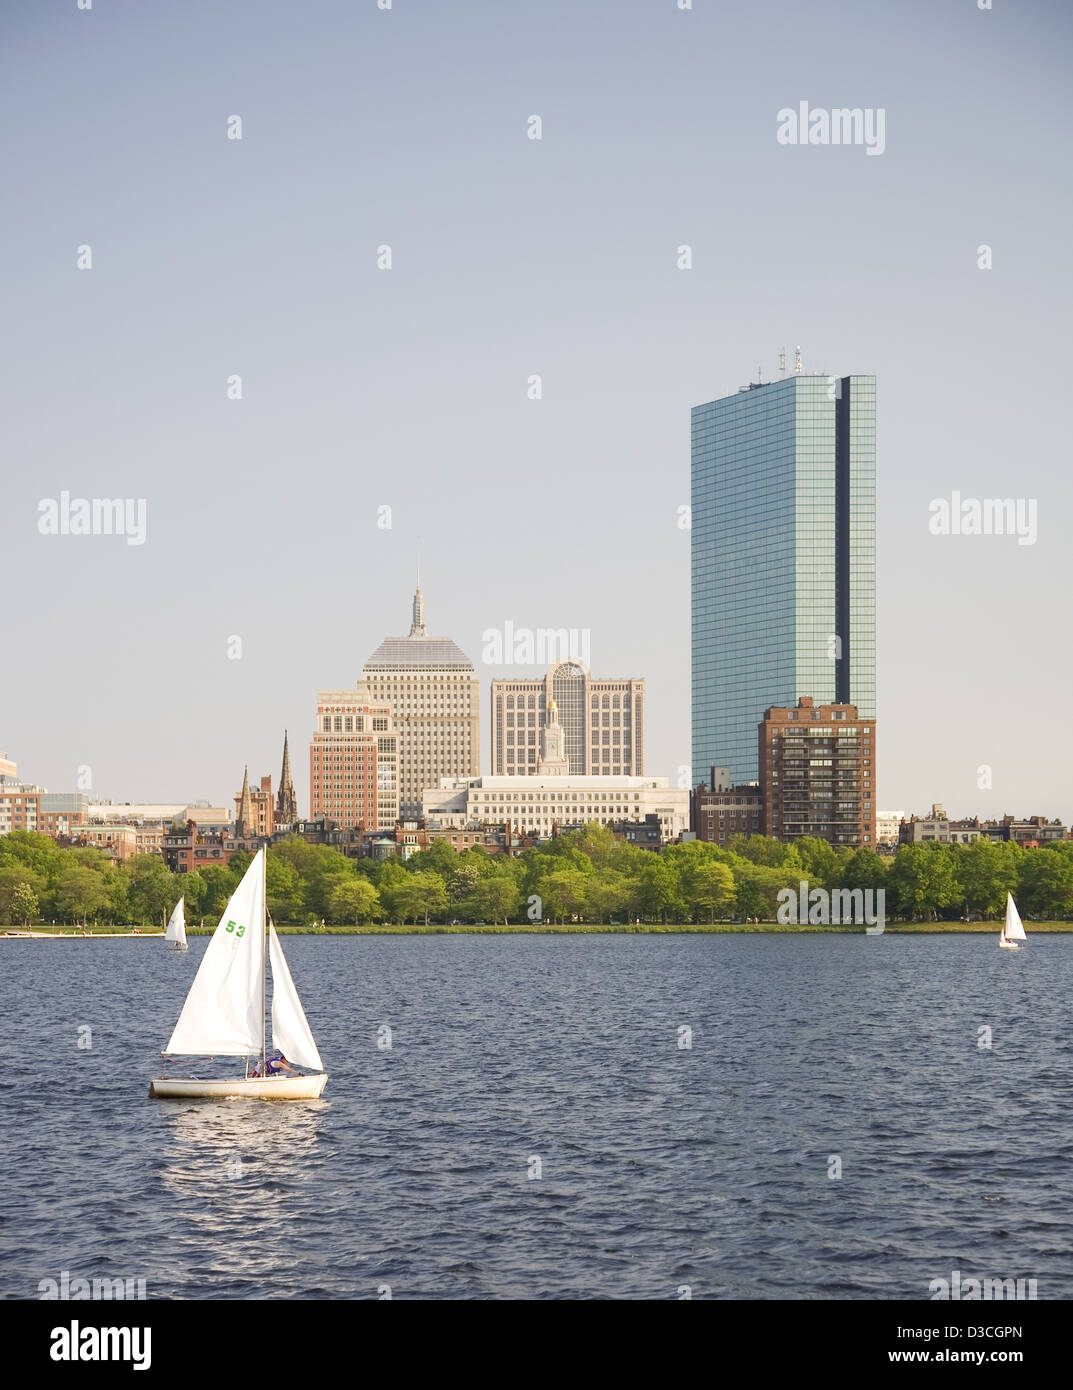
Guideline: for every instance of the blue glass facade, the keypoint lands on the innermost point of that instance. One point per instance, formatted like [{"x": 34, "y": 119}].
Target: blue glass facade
[{"x": 783, "y": 559}]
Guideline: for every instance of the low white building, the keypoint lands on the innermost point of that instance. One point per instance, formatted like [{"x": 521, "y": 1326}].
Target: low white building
[
  {"x": 553, "y": 797},
  {"x": 158, "y": 813},
  {"x": 538, "y": 803}
]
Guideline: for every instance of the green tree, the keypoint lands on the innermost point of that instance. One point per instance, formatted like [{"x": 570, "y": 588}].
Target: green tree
[
  {"x": 658, "y": 888},
  {"x": 1045, "y": 888},
  {"x": 595, "y": 841},
  {"x": 239, "y": 862},
  {"x": 923, "y": 881},
  {"x": 985, "y": 873},
  {"x": 709, "y": 887},
  {"x": 220, "y": 882},
  {"x": 822, "y": 863},
  {"x": 758, "y": 849},
  {"x": 24, "y": 903},
  {"x": 354, "y": 900},
  {"x": 463, "y": 881},
  {"x": 496, "y": 896},
  {"x": 422, "y": 894},
  {"x": 865, "y": 869},
  {"x": 391, "y": 882},
  {"x": 30, "y": 850},
  {"x": 606, "y": 894},
  {"x": 192, "y": 888},
  {"x": 284, "y": 889},
  {"x": 757, "y": 889},
  {"x": 440, "y": 858},
  {"x": 80, "y": 893},
  {"x": 563, "y": 892},
  {"x": 11, "y": 876},
  {"x": 150, "y": 889}
]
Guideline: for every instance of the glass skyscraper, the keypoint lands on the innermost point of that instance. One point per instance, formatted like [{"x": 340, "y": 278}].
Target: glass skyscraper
[{"x": 783, "y": 559}]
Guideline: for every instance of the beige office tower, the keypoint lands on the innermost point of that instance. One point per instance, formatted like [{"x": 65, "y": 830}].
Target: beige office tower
[
  {"x": 434, "y": 695},
  {"x": 603, "y": 723}
]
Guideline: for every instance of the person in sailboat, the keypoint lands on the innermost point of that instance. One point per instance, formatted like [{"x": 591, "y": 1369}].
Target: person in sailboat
[
  {"x": 275, "y": 1065},
  {"x": 278, "y": 1063}
]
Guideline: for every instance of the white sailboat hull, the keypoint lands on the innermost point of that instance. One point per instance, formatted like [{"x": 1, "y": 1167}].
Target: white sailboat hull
[
  {"x": 241, "y": 1088},
  {"x": 177, "y": 946},
  {"x": 1008, "y": 945}
]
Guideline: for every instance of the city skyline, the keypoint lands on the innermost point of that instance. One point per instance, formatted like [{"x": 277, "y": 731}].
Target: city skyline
[
  {"x": 269, "y": 566},
  {"x": 307, "y": 796}
]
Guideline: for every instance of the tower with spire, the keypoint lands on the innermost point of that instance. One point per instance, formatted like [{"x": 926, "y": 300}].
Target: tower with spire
[
  {"x": 286, "y": 801},
  {"x": 417, "y": 624},
  {"x": 434, "y": 693},
  {"x": 244, "y": 826}
]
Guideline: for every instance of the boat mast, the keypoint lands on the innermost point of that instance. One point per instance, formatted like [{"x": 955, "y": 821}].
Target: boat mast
[{"x": 264, "y": 940}]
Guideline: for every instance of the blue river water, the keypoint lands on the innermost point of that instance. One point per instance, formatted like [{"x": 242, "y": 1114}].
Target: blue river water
[{"x": 538, "y": 1128}]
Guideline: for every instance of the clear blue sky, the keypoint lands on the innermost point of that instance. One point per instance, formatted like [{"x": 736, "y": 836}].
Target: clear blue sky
[{"x": 407, "y": 388}]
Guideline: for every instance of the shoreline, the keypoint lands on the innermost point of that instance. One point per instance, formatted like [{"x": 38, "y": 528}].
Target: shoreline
[
  {"x": 567, "y": 929},
  {"x": 65, "y": 934}
]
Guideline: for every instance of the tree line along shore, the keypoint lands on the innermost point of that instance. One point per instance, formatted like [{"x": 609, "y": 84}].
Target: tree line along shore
[{"x": 584, "y": 879}]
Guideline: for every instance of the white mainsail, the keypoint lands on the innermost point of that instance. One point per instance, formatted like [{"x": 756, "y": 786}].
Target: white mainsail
[
  {"x": 290, "y": 1030},
  {"x": 176, "y": 931},
  {"x": 1013, "y": 930},
  {"x": 224, "y": 1011}
]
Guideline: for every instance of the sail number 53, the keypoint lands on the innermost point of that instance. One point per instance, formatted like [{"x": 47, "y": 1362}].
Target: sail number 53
[{"x": 236, "y": 928}]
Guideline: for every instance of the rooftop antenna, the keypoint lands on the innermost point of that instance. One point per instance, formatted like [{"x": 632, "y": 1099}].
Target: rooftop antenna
[
  {"x": 782, "y": 361},
  {"x": 797, "y": 361}
]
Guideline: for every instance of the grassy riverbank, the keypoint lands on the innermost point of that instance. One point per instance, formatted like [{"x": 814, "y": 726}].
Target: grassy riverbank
[
  {"x": 654, "y": 929},
  {"x": 76, "y": 933},
  {"x": 575, "y": 929}
]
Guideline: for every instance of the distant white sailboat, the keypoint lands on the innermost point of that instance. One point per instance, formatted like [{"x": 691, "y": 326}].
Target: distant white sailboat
[
  {"x": 224, "y": 1013},
  {"x": 175, "y": 935},
  {"x": 1012, "y": 930}
]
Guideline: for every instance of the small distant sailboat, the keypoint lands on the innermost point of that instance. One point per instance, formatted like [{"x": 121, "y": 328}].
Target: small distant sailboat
[
  {"x": 1012, "y": 930},
  {"x": 175, "y": 935},
  {"x": 224, "y": 1013}
]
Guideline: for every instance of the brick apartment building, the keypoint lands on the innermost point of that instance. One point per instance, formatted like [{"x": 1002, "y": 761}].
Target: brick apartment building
[
  {"x": 718, "y": 811},
  {"x": 817, "y": 773}
]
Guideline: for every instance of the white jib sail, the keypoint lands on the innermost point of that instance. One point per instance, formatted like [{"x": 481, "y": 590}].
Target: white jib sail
[
  {"x": 176, "y": 925},
  {"x": 1014, "y": 929},
  {"x": 290, "y": 1031},
  {"x": 224, "y": 1011}
]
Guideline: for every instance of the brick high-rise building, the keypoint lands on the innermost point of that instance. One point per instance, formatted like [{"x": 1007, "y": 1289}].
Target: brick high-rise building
[
  {"x": 353, "y": 761},
  {"x": 817, "y": 773},
  {"x": 433, "y": 694},
  {"x": 603, "y": 722}
]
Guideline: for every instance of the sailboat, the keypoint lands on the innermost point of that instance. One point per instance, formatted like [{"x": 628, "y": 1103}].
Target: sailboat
[
  {"x": 1012, "y": 931},
  {"x": 224, "y": 1013},
  {"x": 175, "y": 935}
]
